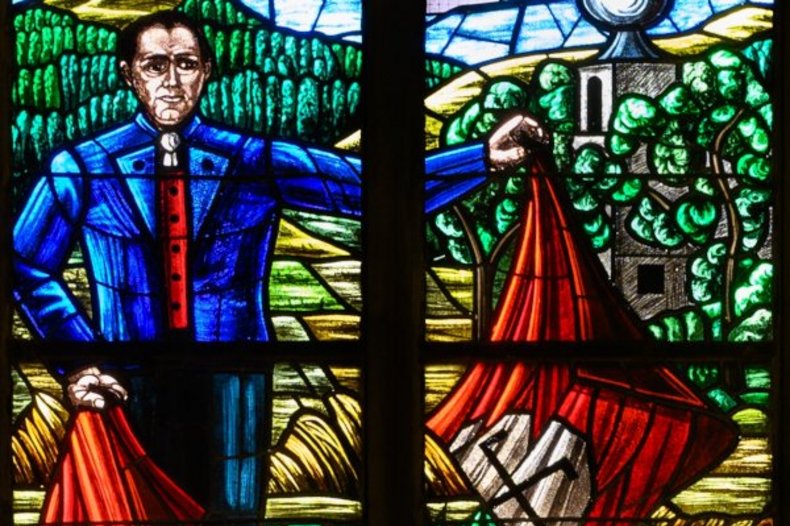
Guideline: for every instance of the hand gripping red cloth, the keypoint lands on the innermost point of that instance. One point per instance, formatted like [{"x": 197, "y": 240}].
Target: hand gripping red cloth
[
  {"x": 649, "y": 434},
  {"x": 105, "y": 477}
]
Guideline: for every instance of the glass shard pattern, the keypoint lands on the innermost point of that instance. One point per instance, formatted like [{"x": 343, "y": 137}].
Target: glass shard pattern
[
  {"x": 662, "y": 164},
  {"x": 559, "y": 25}
]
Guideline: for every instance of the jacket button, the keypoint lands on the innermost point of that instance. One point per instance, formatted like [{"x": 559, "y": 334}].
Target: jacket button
[
  {"x": 138, "y": 165},
  {"x": 207, "y": 164}
]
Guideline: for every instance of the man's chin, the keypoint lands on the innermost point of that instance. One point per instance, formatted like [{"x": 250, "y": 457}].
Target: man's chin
[{"x": 170, "y": 118}]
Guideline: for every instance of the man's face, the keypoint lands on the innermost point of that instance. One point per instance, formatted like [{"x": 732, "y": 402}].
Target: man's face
[{"x": 167, "y": 73}]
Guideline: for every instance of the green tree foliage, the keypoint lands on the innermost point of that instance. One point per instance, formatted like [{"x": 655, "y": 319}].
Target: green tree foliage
[
  {"x": 491, "y": 211},
  {"x": 705, "y": 143},
  {"x": 596, "y": 181},
  {"x": 708, "y": 135},
  {"x": 730, "y": 388},
  {"x": 478, "y": 117},
  {"x": 66, "y": 85},
  {"x": 298, "y": 79},
  {"x": 220, "y": 12},
  {"x": 68, "y": 66},
  {"x": 687, "y": 325},
  {"x": 555, "y": 87},
  {"x": 494, "y": 210},
  {"x": 479, "y": 518},
  {"x": 438, "y": 70},
  {"x": 287, "y": 108},
  {"x": 256, "y": 58},
  {"x": 307, "y": 104}
]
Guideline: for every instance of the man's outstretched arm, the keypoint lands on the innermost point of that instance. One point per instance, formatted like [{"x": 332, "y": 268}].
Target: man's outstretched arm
[
  {"x": 43, "y": 238},
  {"x": 452, "y": 173},
  {"x": 314, "y": 179},
  {"x": 330, "y": 181}
]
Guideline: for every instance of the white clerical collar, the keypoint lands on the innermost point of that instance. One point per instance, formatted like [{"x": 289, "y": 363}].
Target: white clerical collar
[{"x": 170, "y": 141}]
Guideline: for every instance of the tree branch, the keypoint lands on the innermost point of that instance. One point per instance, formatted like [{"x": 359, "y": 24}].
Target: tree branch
[
  {"x": 659, "y": 198},
  {"x": 503, "y": 242},
  {"x": 480, "y": 300},
  {"x": 732, "y": 218}
]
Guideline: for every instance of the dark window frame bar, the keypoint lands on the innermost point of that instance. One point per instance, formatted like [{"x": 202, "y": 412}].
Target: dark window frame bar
[
  {"x": 781, "y": 359},
  {"x": 6, "y": 46},
  {"x": 393, "y": 350}
]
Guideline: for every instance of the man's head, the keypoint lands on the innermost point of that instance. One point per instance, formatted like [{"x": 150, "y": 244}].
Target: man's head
[{"x": 165, "y": 58}]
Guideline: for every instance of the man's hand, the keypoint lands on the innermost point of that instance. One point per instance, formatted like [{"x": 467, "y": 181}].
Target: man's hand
[
  {"x": 89, "y": 388},
  {"x": 511, "y": 143}
]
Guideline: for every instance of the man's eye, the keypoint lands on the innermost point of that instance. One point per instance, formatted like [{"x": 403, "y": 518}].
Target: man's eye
[
  {"x": 188, "y": 64},
  {"x": 155, "y": 66}
]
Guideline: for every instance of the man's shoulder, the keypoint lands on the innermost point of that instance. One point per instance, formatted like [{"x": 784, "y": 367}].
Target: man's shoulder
[
  {"x": 100, "y": 147},
  {"x": 223, "y": 139},
  {"x": 123, "y": 136}
]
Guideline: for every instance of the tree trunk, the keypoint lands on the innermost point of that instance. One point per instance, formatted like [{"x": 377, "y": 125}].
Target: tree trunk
[
  {"x": 732, "y": 223},
  {"x": 479, "y": 301}
]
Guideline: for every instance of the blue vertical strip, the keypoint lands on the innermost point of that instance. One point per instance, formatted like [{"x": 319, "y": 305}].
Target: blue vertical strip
[
  {"x": 250, "y": 486},
  {"x": 227, "y": 390}
]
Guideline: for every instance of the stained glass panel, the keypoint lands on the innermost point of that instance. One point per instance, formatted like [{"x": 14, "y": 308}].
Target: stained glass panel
[
  {"x": 185, "y": 172},
  {"x": 282, "y": 444},
  {"x": 523, "y": 442},
  {"x": 654, "y": 152},
  {"x": 623, "y": 191},
  {"x": 263, "y": 168}
]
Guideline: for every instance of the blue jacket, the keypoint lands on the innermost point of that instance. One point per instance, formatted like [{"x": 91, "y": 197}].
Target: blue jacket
[{"x": 101, "y": 194}]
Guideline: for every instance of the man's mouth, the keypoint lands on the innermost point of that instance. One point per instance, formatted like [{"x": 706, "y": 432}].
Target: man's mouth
[{"x": 172, "y": 98}]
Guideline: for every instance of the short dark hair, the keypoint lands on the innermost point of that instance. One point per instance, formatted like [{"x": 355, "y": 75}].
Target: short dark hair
[{"x": 127, "y": 38}]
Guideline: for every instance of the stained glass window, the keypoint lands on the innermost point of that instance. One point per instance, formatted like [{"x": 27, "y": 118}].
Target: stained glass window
[
  {"x": 299, "y": 232},
  {"x": 621, "y": 204},
  {"x": 549, "y": 287},
  {"x": 186, "y": 199}
]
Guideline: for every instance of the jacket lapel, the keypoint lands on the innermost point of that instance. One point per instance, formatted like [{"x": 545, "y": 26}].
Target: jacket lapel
[
  {"x": 206, "y": 170},
  {"x": 138, "y": 168}
]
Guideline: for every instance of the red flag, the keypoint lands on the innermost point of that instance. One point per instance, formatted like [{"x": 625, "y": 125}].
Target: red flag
[
  {"x": 105, "y": 476},
  {"x": 647, "y": 433}
]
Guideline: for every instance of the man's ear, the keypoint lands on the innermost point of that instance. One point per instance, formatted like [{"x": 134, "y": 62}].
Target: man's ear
[
  {"x": 207, "y": 69},
  {"x": 126, "y": 72}
]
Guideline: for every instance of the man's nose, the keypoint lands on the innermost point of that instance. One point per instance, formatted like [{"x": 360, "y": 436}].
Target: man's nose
[{"x": 171, "y": 75}]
